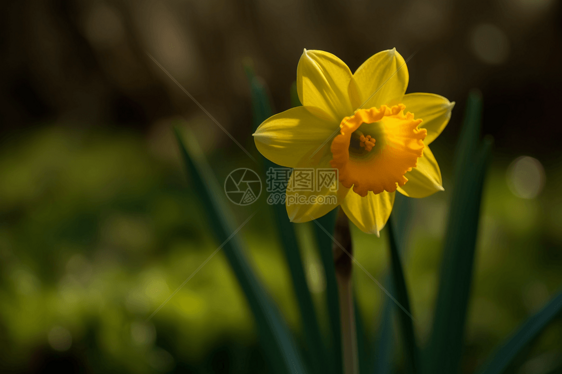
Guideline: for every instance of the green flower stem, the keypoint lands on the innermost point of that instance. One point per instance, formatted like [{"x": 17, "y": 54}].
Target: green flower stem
[{"x": 343, "y": 251}]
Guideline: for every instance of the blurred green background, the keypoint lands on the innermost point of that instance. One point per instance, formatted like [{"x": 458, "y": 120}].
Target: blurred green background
[{"x": 98, "y": 224}]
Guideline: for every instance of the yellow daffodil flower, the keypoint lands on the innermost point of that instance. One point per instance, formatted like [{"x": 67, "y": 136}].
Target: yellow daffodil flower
[{"x": 365, "y": 126}]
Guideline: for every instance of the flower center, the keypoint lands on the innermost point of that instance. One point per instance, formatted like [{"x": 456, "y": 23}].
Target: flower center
[
  {"x": 376, "y": 147},
  {"x": 367, "y": 142}
]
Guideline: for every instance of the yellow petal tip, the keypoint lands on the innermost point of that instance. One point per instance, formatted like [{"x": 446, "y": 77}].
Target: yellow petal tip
[
  {"x": 291, "y": 215},
  {"x": 371, "y": 231},
  {"x": 392, "y": 52}
]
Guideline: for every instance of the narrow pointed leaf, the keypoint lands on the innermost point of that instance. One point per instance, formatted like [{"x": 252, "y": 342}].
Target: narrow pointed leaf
[
  {"x": 401, "y": 294},
  {"x": 261, "y": 105},
  {"x": 384, "y": 348},
  {"x": 446, "y": 343},
  {"x": 315, "y": 345},
  {"x": 500, "y": 361},
  {"x": 325, "y": 243},
  {"x": 274, "y": 334},
  {"x": 362, "y": 339}
]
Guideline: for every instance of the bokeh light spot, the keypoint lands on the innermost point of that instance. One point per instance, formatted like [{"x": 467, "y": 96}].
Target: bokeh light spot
[
  {"x": 143, "y": 333},
  {"x": 489, "y": 43},
  {"x": 60, "y": 339},
  {"x": 136, "y": 302},
  {"x": 156, "y": 288},
  {"x": 526, "y": 177},
  {"x": 191, "y": 304}
]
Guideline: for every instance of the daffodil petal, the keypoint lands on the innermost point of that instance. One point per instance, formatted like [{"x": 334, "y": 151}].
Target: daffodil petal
[
  {"x": 287, "y": 137},
  {"x": 322, "y": 82},
  {"x": 369, "y": 213},
  {"x": 382, "y": 79},
  {"x": 305, "y": 205},
  {"x": 323, "y": 204},
  {"x": 424, "y": 179},
  {"x": 434, "y": 110}
]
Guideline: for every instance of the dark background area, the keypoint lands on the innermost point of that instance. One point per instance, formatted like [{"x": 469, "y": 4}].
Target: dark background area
[
  {"x": 86, "y": 61},
  {"x": 98, "y": 225}
]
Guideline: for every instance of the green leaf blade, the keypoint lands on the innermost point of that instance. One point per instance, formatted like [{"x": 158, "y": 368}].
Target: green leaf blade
[
  {"x": 401, "y": 295},
  {"x": 276, "y": 339},
  {"x": 324, "y": 243},
  {"x": 446, "y": 343},
  {"x": 384, "y": 348},
  {"x": 499, "y": 362}
]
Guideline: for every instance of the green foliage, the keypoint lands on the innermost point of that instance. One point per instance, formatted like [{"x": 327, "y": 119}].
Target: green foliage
[
  {"x": 404, "y": 313},
  {"x": 385, "y": 340},
  {"x": 323, "y": 228},
  {"x": 507, "y": 353},
  {"x": 471, "y": 162},
  {"x": 398, "y": 223},
  {"x": 276, "y": 340}
]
